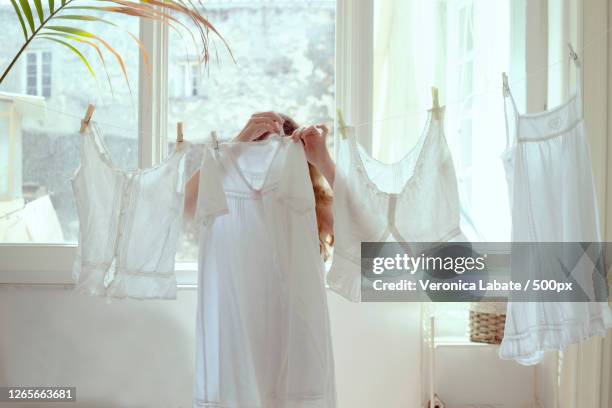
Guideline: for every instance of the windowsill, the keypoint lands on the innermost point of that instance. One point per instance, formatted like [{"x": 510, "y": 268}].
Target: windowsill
[
  {"x": 51, "y": 265},
  {"x": 460, "y": 342}
]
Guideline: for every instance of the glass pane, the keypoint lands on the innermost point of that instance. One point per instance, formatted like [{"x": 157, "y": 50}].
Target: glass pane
[
  {"x": 39, "y": 139},
  {"x": 285, "y": 62}
]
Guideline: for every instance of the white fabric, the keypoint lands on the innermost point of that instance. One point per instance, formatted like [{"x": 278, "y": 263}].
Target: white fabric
[
  {"x": 405, "y": 31},
  {"x": 552, "y": 196},
  {"x": 35, "y": 221},
  {"x": 262, "y": 333},
  {"x": 412, "y": 200},
  {"x": 130, "y": 223}
]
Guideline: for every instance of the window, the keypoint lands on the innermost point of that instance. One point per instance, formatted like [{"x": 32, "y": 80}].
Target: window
[
  {"x": 41, "y": 103},
  {"x": 38, "y": 73},
  {"x": 32, "y": 74},
  {"x": 188, "y": 81},
  {"x": 46, "y": 74},
  {"x": 295, "y": 75}
]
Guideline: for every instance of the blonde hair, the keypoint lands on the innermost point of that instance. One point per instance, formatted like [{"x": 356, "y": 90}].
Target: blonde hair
[{"x": 323, "y": 198}]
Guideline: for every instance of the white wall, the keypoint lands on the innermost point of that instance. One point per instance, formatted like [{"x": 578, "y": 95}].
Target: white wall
[
  {"x": 140, "y": 353},
  {"x": 473, "y": 376}
]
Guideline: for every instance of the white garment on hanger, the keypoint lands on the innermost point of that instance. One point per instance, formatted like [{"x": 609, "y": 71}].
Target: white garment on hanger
[
  {"x": 552, "y": 197},
  {"x": 262, "y": 332},
  {"x": 129, "y": 223},
  {"x": 413, "y": 200}
]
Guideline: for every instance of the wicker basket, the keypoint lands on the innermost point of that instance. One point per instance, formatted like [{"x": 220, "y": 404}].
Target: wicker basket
[{"x": 487, "y": 320}]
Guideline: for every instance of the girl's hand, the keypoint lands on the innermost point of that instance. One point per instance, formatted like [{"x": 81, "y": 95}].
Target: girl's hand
[
  {"x": 314, "y": 139},
  {"x": 259, "y": 126}
]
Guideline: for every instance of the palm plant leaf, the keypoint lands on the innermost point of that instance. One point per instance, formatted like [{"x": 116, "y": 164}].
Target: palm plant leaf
[
  {"x": 20, "y": 18},
  {"x": 27, "y": 11},
  {"x": 68, "y": 35},
  {"x": 90, "y": 43},
  {"x": 77, "y": 52},
  {"x": 87, "y": 34},
  {"x": 84, "y": 18},
  {"x": 39, "y": 10}
]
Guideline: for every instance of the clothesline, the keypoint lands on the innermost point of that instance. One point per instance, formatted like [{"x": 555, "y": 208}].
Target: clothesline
[{"x": 487, "y": 91}]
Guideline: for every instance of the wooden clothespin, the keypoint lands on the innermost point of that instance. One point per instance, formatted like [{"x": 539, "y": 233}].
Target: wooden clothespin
[
  {"x": 213, "y": 136},
  {"x": 341, "y": 123},
  {"x": 87, "y": 118},
  {"x": 179, "y": 132},
  {"x": 506, "y": 87},
  {"x": 572, "y": 53},
  {"x": 435, "y": 109}
]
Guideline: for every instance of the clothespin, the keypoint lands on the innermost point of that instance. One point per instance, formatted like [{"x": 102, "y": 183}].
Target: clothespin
[
  {"x": 213, "y": 136},
  {"x": 87, "y": 118},
  {"x": 572, "y": 53},
  {"x": 435, "y": 109},
  {"x": 506, "y": 87},
  {"x": 341, "y": 123},
  {"x": 179, "y": 132}
]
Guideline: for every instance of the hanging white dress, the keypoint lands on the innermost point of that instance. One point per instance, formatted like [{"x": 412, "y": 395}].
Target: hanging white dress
[
  {"x": 413, "y": 200},
  {"x": 263, "y": 334},
  {"x": 129, "y": 223},
  {"x": 552, "y": 197}
]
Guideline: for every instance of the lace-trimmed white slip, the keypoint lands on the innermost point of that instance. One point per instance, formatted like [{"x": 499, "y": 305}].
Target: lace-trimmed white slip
[
  {"x": 130, "y": 222},
  {"x": 553, "y": 199}
]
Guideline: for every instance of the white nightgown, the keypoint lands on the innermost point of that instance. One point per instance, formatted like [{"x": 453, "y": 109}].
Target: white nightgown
[
  {"x": 263, "y": 334},
  {"x": 552, "y": 193}
]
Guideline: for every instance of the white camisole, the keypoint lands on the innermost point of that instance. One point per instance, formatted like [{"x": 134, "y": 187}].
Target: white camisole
[
  {"x": 413, "y": 200},
  {"x": 129, "y": 223}
]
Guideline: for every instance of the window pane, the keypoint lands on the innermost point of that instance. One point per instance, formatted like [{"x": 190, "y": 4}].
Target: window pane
[
  {"x": 39, "y": 139},
  {"x": 285, "y": 63}
]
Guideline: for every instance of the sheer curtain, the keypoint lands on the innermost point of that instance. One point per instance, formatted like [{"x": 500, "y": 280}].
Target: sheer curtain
[
  {"x": 461, "y": 47},
  {"x": 479, "y": 50},
  {"x": 408, "y": 60}
]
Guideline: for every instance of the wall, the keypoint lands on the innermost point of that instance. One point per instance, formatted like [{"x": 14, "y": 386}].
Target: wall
[{"x": 140, "y": 353}]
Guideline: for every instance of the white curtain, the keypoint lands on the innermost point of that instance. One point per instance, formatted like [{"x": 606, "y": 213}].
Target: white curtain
[
  {"x": 408, "y": 60},
  {"x": 461, "y": 47},
  {"x": 479, "y": 51}
]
